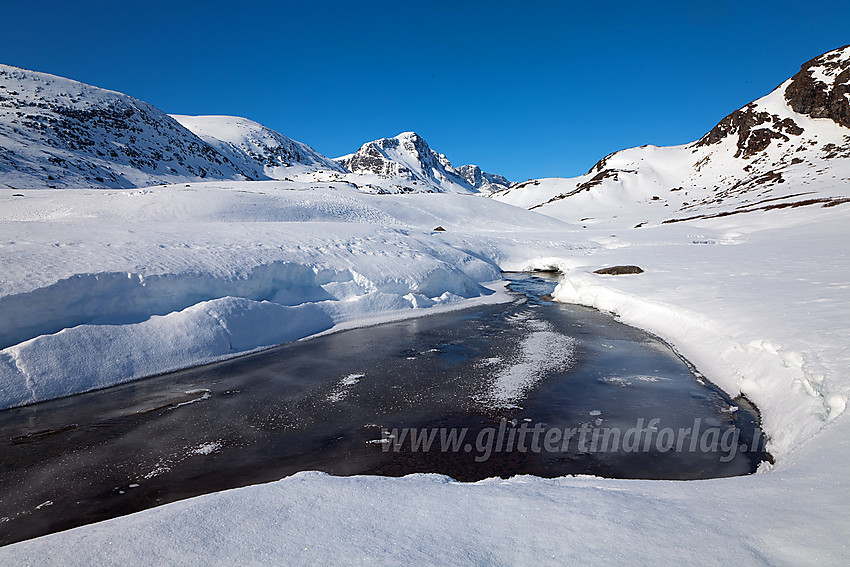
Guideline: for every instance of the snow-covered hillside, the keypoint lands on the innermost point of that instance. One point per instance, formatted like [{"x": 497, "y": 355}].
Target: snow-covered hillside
[
  {"x": 787, "y": 149},
  {"x": 55, "y": 132},
  {"x": 408, "y": 157},
  {"x": 257, "y": 149}
]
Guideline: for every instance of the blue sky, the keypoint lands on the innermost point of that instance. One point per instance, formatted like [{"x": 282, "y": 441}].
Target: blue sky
[{"x": 525, "y": 89}]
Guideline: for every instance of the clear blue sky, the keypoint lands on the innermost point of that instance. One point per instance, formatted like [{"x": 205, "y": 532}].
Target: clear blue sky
[{"x": 526, "y": 89}]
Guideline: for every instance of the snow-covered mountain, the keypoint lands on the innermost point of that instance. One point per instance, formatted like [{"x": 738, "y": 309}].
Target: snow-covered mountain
[
  {"x": 55, "y": 132},
  {"x": 408, "y": 157},
  {"x": 258, "y": 149},
  {"x": 787, "y": 149}
]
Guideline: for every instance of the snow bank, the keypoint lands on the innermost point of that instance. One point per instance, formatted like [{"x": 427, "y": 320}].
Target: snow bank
[
  {"x": 156, "y": 280},
  {"x": 762, "y": 315}
]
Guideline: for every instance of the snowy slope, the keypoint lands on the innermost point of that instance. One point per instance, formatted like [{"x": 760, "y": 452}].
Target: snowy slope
[
  {"x": 55, "y": 132},
  {"x": 789, "y": 148},
  {"x": 408, "y": 157},
  {"x": 259, "y": 150}
]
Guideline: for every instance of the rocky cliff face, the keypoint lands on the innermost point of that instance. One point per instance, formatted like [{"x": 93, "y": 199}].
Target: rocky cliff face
[
  {"x": 789, "y": 148},
  {"x": 483, "y": 181},
  {"x": 821, "y": 89}
]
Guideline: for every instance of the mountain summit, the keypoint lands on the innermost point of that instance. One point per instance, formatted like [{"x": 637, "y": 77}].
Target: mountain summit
[{"x": 409, "y": 157}]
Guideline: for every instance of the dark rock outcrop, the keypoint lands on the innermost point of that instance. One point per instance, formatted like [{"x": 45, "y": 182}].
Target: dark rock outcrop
[
  {"x": 619, "y": 270},
  {"x": 755, "y": 130},
  {"x": 809, "y": 94}
]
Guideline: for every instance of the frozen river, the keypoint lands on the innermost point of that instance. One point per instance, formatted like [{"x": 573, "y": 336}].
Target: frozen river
[{"x": 528, "y": 387}]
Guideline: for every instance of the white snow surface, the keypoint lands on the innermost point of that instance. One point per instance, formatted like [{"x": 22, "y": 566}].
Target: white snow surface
[{"x": 758, "y": 301}]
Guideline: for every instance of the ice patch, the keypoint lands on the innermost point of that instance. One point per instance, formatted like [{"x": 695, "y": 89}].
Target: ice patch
[
  {"x": 206, "y": 448},
  {"x": 541, "y": 352},
  {"x": 648, "y": 378},
  {"x": 343, "y": 387}
]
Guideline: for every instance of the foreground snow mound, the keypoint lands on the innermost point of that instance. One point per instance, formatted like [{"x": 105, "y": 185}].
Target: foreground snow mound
[
  {"x": 787, "y": 149},
  {"x": 101, "y": 287},
  {"x": 264, "y": 153}
]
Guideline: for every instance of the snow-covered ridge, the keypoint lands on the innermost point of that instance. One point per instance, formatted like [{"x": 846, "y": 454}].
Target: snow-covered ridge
[
  {"x": 260, "y": 150},
  {"x": 786, "y": 149},
  {"x": 55, "y": 132}
]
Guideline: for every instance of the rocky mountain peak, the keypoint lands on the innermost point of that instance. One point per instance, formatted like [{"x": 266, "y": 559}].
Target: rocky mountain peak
[
  {"x": 408, "y": 156},
  {"x": 821, "y": 89}
]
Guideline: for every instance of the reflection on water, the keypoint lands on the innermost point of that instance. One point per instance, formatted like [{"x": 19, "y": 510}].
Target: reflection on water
[{"x": 530, "y": 387}]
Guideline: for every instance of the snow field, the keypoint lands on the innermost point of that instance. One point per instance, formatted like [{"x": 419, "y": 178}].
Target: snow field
[{"x": 759, "y": 302}]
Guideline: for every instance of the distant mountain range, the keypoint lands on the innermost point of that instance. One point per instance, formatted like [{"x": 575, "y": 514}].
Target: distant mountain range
[
  {"x": 55, "y": 132},
  {"x": 787, "y": 149}
]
